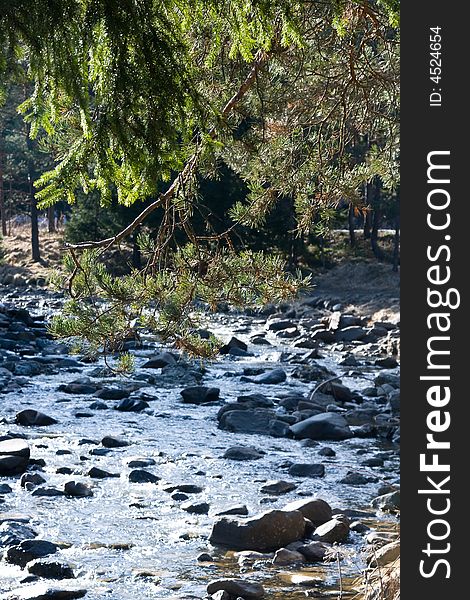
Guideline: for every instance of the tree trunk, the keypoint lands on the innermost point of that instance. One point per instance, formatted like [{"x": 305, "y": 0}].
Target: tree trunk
[
  {"x": 35, "y": 252},
  {"x": 3, "y": 216},
  {"x": 351, "y": 220},
  {"x": 396, "y": 245},
  {"x": 51, "y": 219},
  {"x": 367, "y": 219},
  {"x": 136, "y": 254},
  {"x": 374, "y": 234}
]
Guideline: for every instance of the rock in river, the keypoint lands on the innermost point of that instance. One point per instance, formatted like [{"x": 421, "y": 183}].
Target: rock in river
[
  {"x": 273, "y": 377},
  {"x": 243, "y": 453},
  {"x": 325, "y": 426},
  {"x": 29, "y": 550},
  {"x": 278, "y": 487},
  {"x": 199, "y": 394},
  {"x": 267, "y": 531},
  {"x": 318, "y": 511},
  {"x": 307, "y": 470},
  {"x": 335, "y": 530},
  {"x": 34, "y": 418},
  {"x": 41, "y": 591},
  {"x": 237, "y": 588},
  {"x": 50, "y": 569},
  {"x": 14, "y": 456}
]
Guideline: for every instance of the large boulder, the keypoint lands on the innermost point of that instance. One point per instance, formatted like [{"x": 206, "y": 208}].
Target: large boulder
[
  {"x": 318, "y": 511},
  {"x": 271, "y": 378},
  {"x": 258, "y": 420},
  {"x": 335, "y": 530},
  {"x": 34, "y": 418},
  {"x": 40, "y": 591},
  {"x": 325, "y": 426},
  {"x": 267, "y": 531},
  {"x": 29, "y": 550},
  {"x": 14, "y": 456},
  {"x": 200, "y": 394},
  {"x": 237, "y": 588}
]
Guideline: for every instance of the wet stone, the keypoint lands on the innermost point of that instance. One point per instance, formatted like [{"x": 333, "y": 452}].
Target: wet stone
[
  {"x": 12, "y": 534},
  {"x": 42, "y": 591},
  {"x": 34, "y": 418},
  {"x": 196, "y": 508},
  {"x": 14, "y": 456},
  {"x": 28, "y": 550},
  {"x": 142, "y": 476},
  {"x": 112, "y": 394},
  {"x": 132, "y": 405},
  {"x": 47, "y": 492},
  {"x": 237, "y": 588},
  {"x": 243, "y": 453},
  {"x": 97, "y": 473},
  {"x": 77, "y": 490},
  {"x": 270, "y": 530},
  {"x": 50, "y": 569},
  {"x": 113, "y": 442},
  {"x": 335, "y": 530},
  {"x": 315, "y": 510},
  {"x": 278, "y": 487},
  {"x": 240, "y": 510},
  {"x": 307, "y": 470},
  {"x": 200, "y": 394}
]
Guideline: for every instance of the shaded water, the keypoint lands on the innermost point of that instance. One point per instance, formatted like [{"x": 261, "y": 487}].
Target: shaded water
[{"x": 133, "y": 539}]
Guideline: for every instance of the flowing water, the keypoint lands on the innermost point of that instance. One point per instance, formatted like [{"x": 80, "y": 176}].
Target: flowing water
[{"x": 132, "y": 540}]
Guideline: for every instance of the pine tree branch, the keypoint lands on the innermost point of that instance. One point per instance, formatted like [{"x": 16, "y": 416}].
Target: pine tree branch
[{"x": 260, "y": 60}]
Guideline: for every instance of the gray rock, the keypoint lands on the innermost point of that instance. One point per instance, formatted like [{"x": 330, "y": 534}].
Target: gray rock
[
  {"x": 388, "y": 502},
  {"x": 12, "y": 534},
  {"x": 326, "y": 426},
  {"x": 142, "y": 476},
  {"x": 278, "y": 487},
  {"x": 28, "y": 550},
  {"x": 113, "y": 442},
  {"x": 271, "y": 378},
  {"x": 204, "y": 557},
  {"x": 196, "y": 508},
  {"x": 32, "y": 478},
  {"x": 237, "y": 588},
  {"x": 97, "y": 473},
  {"x": 200, "y": 394},
  {"x": 47, "y": 492},
  {"x": 50, "y": 569},
  {"x": 285, "y": 557},
  {"x": 5, "y": 488},
  {"x": 327, "y": 451},
  {"x": 246, "y": 421},
  {"x": 132, "y": 405},
  {"x": 351, "y": 334},
  {"x": 233, "y": 344},
  {"x": 307, "y": 470},
  {"x": 34, "y": 418},
  {"x": 77, "y": 490},
  {"x": 315, "y": 510},
  {"x": 314, "y": 551},
  {"x": 42, "y": 591},
  {"x": 332, "y": 531},
  {"x": 243, "y": 453},
  {"x": 112, "y": 394},
  {"x": 267, "y": 531},
  {"x": 240, "y": 509},
  {"x": 14, "y": 456},
  {"x": 186, "y": 488},
  {"x": 160, "y": 360},
  {"x": 353, "y": 478}
]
